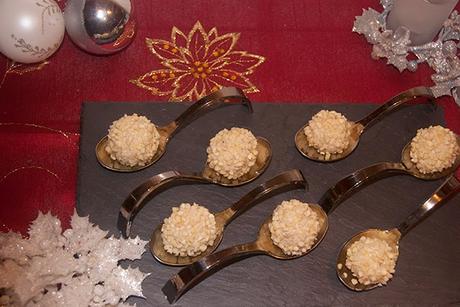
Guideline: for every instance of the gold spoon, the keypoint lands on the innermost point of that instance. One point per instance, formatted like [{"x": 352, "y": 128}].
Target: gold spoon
[
  {"x": 193, "y": 274},
  {"x": 357, "y": 128},
  {"x": 196, "y": 272},
  {"x": 346, "y": 186},
  {"x": 224, "y": 96},
  {"x": 446, "y": 191},
  {"x": 141, "y": 195},
  {"x": 281, "y": 183}
]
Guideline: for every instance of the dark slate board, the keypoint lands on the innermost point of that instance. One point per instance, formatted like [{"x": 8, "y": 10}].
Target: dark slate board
[{"x": 428, "y": 268}]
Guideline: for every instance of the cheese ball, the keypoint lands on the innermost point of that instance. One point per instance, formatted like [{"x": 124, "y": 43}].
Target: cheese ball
[
  {"x": 372, "y": 260},
  {"x": 328, "y": 132},
  {"x": 233, "y": 152},
  {"x": 189, "y": 230},
  {"x": 434, "y": 149},
  {"x": 132, "y": 140},
  {"x": 294, "y": 227}
]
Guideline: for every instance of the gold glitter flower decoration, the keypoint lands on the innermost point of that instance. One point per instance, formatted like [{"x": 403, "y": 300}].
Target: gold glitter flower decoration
[{"x": 197, "y": 64}]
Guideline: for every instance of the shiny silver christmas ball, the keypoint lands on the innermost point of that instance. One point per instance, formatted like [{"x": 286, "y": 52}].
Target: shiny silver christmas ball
[{"x": 100, "y": 26}]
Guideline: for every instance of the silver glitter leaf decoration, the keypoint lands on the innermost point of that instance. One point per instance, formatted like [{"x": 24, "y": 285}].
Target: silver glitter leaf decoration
[
  {"x": 368, "y": 25},
  {"x": 394, "y": 48},
  {"x": 451, "y": 30},
  {"x": 387, "y": 4}
]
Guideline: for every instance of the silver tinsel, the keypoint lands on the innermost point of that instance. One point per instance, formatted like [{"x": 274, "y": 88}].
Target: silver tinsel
[{"x": 440, "y": 55}]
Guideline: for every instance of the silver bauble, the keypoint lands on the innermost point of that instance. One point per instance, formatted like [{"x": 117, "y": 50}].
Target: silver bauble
[{"x": 100, "y": 26}]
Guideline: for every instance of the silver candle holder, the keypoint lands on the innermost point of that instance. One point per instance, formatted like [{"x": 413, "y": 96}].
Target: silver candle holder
[{"x": 395, "y": 46}]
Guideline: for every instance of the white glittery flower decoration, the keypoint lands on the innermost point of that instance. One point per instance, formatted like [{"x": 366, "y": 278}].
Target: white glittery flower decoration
[{"x": 77, "y": 267}]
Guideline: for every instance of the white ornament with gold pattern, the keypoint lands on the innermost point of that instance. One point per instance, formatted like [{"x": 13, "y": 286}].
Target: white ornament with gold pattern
[{"x": 31, "y": 30}]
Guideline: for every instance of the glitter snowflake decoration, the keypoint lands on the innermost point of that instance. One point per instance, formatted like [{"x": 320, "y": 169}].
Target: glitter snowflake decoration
[
  {"x": 77, "y": 267},
  {"x": 440, "y": 55}
]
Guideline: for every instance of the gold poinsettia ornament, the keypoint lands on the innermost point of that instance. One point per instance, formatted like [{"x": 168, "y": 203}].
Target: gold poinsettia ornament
[{"x": 197, "y": 64}]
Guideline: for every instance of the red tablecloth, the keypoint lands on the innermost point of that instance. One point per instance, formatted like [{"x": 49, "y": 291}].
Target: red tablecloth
[{"x": 311, "y": 55}]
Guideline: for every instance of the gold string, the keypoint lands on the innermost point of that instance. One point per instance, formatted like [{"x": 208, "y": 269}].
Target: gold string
[
  {"x": 61, "y": 132},
  {"x": 4, "y": 75},
  {"x": 20, "y": 69},
  {"x": 29, "y": 167}
]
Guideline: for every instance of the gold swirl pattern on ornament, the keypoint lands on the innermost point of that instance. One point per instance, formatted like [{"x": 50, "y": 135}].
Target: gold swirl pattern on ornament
[
  {"x": 20, "y": 69},
  {"x": 27, "y": 168},
  {"x": 25, "y": 47},
  {"x": 60, "y": 132},
  {"x": 197, "y": 64},
  {"x": 50, "y": 8}
]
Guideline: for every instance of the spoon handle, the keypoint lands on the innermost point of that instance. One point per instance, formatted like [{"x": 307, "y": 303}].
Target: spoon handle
[
  {"x": 196, "y": 272},
  {"x": 225, "y": 95},
  {"x": 285, "y": 181},
  {"x": 141, "y": 195},
  {"x": 346, "y": 186},
  {"x": 447, "y": 190},
  {"x": 397, "y": 101}
]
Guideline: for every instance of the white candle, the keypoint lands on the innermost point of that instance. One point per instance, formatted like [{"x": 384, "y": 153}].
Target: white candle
[{"x": 424, "y": 18}]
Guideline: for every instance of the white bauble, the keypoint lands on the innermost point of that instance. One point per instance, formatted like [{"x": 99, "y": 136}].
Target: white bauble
[{"x": 30, "y": 30}]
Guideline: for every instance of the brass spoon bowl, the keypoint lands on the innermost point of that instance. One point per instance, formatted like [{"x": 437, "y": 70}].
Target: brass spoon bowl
[
  {"x": 264, "y": 156},
  {"x": 285, "y": 181},
  {"x": 141, "y": 195},
  {"x": 193, "y": 274},
  {"x": 357, "y": 128},
  {"x": 310, "y": 152},
  {"x": 224, "y": 96},
  {"x": 349, "y": 184},
  {"x": 447, "y": 190}
]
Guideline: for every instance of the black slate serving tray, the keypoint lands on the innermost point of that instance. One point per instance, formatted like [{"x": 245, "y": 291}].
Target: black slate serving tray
[{"x": 427, "y": 271}]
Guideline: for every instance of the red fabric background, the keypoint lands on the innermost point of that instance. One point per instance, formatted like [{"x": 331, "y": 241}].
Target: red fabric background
[{"x": 311, "y": 56}]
